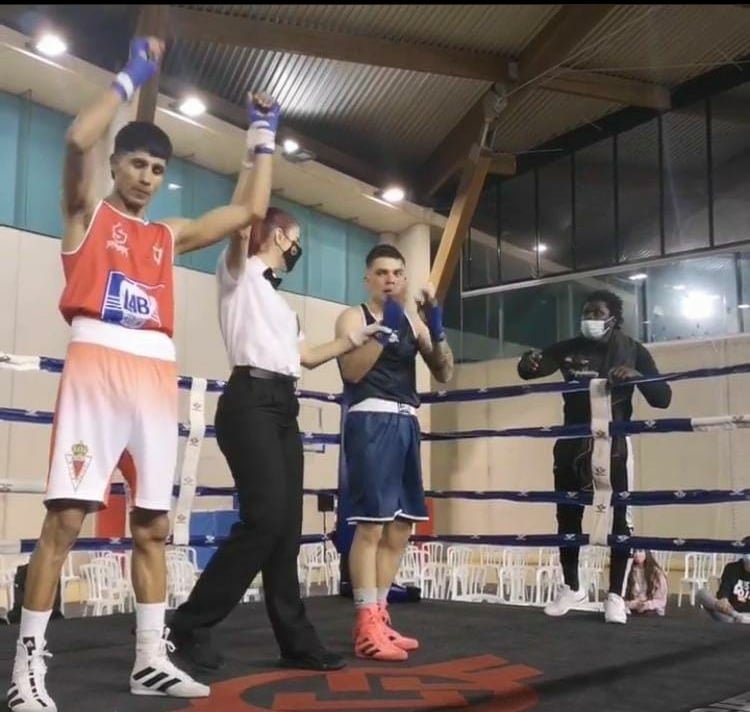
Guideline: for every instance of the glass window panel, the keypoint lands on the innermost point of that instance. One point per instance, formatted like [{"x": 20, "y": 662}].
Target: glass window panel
[
  {"x": 556, "y": 217},
  {"x": 485, "y": 216},
  {"x": 531, "y": 317},
  {"x": 685, "y": 179},
  {"x": 692, "y": 299},
  {"x": 480, "y": 340},
  {"x": 730, "y": 154},
  {"x": 639, "y": 225},
  {"x": 594, "y": 206},
  {"x": 517, "y": 229},
  {"x": 482, "y": 261}
]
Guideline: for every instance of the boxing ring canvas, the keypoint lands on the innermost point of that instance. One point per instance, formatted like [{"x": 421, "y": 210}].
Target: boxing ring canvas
[{"x": 479, "y": 657}]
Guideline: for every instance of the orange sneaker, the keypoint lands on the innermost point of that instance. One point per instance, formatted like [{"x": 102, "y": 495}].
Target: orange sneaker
[
  {"x": 370, "y": 639},
  {"x": 394, "y": 636}
]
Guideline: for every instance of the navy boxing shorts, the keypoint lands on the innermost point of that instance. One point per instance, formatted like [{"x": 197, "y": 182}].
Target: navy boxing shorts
[{"x": 384, "y": 466}]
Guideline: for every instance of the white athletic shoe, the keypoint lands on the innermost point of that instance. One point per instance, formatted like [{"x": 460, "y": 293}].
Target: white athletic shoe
[
  {"x": 615, "y": 610},
  {"x": 27, "y": 692},
  {"x": 154, "y": 673},
  {"x": 565, "y": 599}
]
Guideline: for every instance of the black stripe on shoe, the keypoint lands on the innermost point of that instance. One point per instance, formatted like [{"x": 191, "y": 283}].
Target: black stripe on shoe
[
  {"x": 169, "y": 683},
  {"x": 142, "y": 673},
  {"x": 155, "y": 680}
]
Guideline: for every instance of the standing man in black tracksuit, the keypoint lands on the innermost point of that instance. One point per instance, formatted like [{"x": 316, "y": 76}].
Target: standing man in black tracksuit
[{"x": 602, "y": 351}]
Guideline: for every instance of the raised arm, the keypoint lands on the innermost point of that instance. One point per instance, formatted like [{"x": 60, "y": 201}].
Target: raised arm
[
  {"x": 433, "y": 343},
  {"x": 252, "y": 193},
  {"x": 236, "y": 255},
  {"x": 90, "y": 126}
]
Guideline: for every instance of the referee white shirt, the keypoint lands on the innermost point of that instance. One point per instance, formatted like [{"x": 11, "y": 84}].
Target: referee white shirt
[{"x": 259, "y": 328}]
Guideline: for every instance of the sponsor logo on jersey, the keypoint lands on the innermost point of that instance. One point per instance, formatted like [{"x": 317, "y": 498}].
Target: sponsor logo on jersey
[{"x": 130, "y": 303}]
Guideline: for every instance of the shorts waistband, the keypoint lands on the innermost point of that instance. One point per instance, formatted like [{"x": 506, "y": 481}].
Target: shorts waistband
[
  {"x": 253, "y": 372},
  {"x": 147, "y": 343},
  {"x": 380, "y": 405}
]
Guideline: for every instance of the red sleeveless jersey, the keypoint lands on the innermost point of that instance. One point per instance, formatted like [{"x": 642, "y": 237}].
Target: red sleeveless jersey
[{"x": 122, "y": 273}]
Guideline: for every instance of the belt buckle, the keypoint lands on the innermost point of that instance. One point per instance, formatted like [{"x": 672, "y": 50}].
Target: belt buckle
[{"x": 403, "y": 409}]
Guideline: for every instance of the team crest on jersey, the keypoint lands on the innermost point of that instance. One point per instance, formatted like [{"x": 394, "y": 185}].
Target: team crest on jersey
[
  {"x": 119, "y": 239},
  {"x": 158, "y": 253},
  {"x": 129, "y": 303},
  {"x": 78, "y": 460}
]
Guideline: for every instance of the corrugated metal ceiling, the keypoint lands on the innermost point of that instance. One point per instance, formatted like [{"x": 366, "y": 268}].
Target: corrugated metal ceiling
[
  {"x": 505, "y": 29},
  {"x": 412, "y": 110}
]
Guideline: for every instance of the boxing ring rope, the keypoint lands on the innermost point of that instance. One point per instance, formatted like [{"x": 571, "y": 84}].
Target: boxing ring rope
[{"x": 601, "y": 428}]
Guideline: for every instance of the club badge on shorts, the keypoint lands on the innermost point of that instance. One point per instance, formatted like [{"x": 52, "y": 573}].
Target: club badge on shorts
[{"x": 78, "y": 460}]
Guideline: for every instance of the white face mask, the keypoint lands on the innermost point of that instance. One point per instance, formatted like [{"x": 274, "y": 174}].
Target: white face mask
[{"x": 595, "y": 329}]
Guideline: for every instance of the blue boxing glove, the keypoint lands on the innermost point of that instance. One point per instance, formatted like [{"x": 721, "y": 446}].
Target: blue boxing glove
[
  {"x": 393, "y": 317},
  {"x": 140, "y": 68},
  {"x": 434, "y": 317},
  {"x": 432, "y": 313},
  {"x": 263, "y": 114}
]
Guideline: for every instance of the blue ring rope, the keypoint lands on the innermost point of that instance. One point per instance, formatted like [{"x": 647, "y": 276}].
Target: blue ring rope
[{"x": 511, "y": 540}]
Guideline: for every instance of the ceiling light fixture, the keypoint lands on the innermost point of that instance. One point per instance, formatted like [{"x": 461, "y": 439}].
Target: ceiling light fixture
[
  {"x": 192, "y": 106},
  {"x": 290, "y": 146},
  {"x": 639, "y": 277},
  {"x": 391, "y": 194},
  {"x": 540, "y": 248},
  {"x": 51, "y": 45}
]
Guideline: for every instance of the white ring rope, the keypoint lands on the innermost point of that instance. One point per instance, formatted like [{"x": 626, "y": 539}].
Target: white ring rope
[
  {"x": 14, "y": 362},
  {"x": 601, "y": 460},
  {"x": 190, "y": 459}
]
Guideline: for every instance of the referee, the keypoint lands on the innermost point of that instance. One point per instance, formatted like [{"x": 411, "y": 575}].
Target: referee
[{"x": 257, "y": 431}]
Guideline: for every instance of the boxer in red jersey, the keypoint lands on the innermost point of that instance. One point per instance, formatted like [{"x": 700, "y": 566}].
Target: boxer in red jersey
[{"x": 117, "y": 399}]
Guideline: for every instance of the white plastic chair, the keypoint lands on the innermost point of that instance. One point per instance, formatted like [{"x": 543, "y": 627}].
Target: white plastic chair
[
  {"x": 468, "y": 582},
  {"x": 311, "y": 565},
  {"x": 433, "y": 552},
  {"x": 103, "y": 590},
  {"x": 664, "y": 559},
  {"x": 698, "y": 568},
  {"x": 511, "y": 576},
  {"x": 434, "y": 581},
  {"x": 410, "y": 568},
  {"x": 181, "y": 577}
]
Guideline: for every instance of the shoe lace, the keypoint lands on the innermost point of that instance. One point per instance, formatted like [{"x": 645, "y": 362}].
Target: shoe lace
[
  {"x": 165, "y": 644},
  {"x": 37, "y": 663}
]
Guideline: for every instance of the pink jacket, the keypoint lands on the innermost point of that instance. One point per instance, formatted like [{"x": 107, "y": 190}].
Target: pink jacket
[{"x": 658, "y": 602}]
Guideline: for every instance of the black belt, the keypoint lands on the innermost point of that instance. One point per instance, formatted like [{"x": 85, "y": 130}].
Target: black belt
[{"x": 253, "y": 372}]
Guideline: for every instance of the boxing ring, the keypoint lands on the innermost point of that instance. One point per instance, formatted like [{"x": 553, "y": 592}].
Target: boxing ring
[{"x": 486, "y": 657}]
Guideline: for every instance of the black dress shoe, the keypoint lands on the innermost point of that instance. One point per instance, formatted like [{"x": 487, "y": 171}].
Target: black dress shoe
[
  {"x": 195, "y": 647},
  {"x": 316, "y": 660}
]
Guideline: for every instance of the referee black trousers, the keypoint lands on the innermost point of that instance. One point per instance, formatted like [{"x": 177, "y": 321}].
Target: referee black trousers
[{"x": 257, "y": 431}]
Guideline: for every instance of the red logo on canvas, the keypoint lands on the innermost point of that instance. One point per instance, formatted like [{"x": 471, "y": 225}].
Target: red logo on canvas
[{"x": 486, "y": 682}]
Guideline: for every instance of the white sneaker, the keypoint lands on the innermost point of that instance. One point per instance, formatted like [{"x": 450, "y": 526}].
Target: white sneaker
[
  {"x": 565, "y": 599},
  {"x": 27, "y": 692},
  {"x": 154, "y": 673},
  {"x": 615, "y": 610}
]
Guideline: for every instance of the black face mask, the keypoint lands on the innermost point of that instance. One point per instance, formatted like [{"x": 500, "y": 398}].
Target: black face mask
[{"x": 291, "y": 255}]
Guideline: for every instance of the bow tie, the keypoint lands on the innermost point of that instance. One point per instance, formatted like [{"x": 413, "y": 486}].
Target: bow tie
[{"x": 272, "y": 278}]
